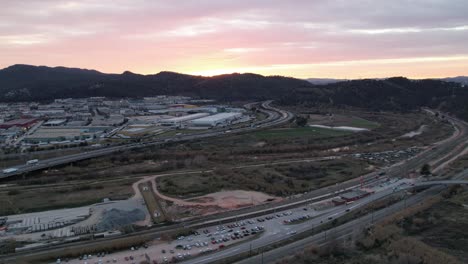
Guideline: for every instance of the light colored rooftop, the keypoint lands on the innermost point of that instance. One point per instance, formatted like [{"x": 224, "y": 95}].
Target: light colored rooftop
[{"x": 216, "y": 117}]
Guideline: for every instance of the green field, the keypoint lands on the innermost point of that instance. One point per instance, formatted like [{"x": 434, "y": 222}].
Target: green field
[
  {"x": 300, "y": 132},
  {"x": 363, "y": 123}
]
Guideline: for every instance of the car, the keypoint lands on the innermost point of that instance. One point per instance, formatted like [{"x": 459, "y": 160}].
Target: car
[
  {"x": 330, "y": 218},
  {"x": 221, "y": 246},
  {"x": 163, "y": 251},
  {"x": 171, "y": 251},
  {"x": 347, "y": 210}
]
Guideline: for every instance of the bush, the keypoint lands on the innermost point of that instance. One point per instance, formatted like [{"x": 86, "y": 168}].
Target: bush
[{"x": 13, "y": 192}]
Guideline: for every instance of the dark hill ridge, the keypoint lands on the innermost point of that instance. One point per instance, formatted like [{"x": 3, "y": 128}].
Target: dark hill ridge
[{"x": 36, "y": 83}]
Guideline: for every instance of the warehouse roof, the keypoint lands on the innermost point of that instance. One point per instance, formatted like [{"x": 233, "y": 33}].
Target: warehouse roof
[{"x": 217, "y": 117}]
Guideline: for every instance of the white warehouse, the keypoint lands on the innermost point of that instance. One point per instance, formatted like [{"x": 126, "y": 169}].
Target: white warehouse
[
  {"x": 215, "y": 120},
  {"x": 177, "y": 121}
]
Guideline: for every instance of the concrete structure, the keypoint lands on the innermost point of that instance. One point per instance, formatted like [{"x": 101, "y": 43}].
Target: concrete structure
[
  {"x": 338, "y": 201},
  {"x": 215, "y": 120},
  {"x": 354, "y": 195},
  {"x": 177, "y": 121}
]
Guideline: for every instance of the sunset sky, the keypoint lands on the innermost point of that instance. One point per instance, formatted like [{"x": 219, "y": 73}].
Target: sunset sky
[{"x": 303, "y": 38}]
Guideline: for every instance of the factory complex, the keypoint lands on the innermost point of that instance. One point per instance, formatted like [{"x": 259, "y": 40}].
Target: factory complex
[{"x": 96, "y": 120}]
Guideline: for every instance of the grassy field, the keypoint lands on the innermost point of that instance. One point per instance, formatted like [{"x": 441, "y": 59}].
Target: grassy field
[
  {"x": 302, "y": 132},
  {"x": 19, "y": 200},
  {"x": 154, "y": 208},
  {"x": 279, "y": 180},
  {"x": 362, "y": 123}
]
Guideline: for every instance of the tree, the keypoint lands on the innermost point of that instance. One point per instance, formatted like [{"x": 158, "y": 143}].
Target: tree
[
  {"x": 426, "y": 169},
  {"x": 301, "y": 121}
]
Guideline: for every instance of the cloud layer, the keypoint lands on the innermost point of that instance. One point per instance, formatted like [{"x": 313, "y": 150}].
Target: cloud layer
[{"x": 302, "y": 38}]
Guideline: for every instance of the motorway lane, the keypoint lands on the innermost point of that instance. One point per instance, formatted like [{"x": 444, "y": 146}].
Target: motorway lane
[
  {"x": 350, "y": 229},
  {"x": 276, "y": 231}
]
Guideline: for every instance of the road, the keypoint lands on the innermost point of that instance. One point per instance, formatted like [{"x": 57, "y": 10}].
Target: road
[
  {"x": 349, "y": 230},
  {"x": 275, "y": 117},
  {"x": 444, "y": 149}
]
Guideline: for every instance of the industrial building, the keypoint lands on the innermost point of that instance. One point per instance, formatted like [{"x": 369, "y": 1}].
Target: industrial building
[
  {"x": 49, "y": 135},
  {"x": 177, "y": 121},
  {"x": 23, "y": 123},
  {"x": 216, "y": 120}
]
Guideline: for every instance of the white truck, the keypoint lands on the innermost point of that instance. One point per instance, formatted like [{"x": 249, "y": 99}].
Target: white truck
[
  {"x": 9, "y": 170},
  {"x": 32, "y": 162}
]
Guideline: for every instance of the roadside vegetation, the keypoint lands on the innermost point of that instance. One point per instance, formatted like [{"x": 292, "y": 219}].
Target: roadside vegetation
[{"x": 279, "y": 180}]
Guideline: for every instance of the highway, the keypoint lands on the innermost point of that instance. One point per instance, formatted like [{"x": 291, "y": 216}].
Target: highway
[
  {"x": 445, "y": 148},
  {"x": 274, "y": 117},
  {"x": 349, "y": 230}
]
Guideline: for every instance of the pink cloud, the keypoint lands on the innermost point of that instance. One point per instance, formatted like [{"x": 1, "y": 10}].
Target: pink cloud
[{"x": 203, "y": 36}]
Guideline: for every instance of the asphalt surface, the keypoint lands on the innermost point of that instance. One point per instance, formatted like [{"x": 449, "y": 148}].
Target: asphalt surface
[{"x": 349, "y": 230}]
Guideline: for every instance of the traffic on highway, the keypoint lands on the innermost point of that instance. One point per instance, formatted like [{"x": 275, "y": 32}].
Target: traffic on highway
[{"x": 226, "y": 235}]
